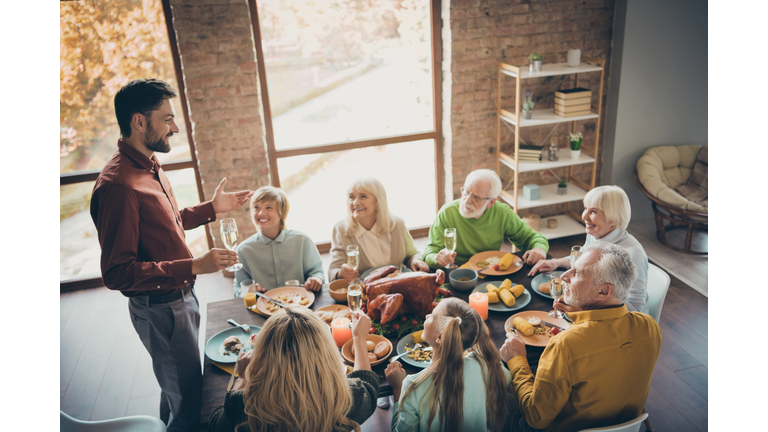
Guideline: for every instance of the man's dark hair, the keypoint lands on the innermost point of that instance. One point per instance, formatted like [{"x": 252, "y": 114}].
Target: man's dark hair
[{"x": 140, "y": 96}]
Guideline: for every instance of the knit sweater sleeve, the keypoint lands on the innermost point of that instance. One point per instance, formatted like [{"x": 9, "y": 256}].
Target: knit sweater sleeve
[
  {"x": 364, "y": 385},
  {"x": 520, "y": 234},
  {"x": 226, "y": 417}
]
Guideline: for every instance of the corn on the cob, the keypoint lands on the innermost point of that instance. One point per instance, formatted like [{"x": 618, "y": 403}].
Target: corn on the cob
[
  {"x": 491, "y": 288},
  {"x": 506, "y": 261},
  {"x": 507, "y": 284},
  {"x": 523, "y": 325},
  {"x": 507, "y": 297},
  {"x": 517, "y": 290},
  {"x": 493, "y": 297}
]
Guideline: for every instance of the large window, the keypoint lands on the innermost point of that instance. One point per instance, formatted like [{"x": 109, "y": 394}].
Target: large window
[
  {"x": 350, "y": 87},
  {"x": 104, "y": 45}
]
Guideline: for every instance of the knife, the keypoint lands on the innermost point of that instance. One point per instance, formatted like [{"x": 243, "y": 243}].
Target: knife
[
  {"x": 552, "y": 325},
  {"x": 270, "y": 299}
]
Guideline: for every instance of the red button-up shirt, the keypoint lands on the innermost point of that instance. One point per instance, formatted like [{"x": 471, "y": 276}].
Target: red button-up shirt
[{"x": 140, "y": 227}]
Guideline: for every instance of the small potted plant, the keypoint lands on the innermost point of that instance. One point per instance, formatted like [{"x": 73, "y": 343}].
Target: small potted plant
[
  {"x": 535, "y": 65},
  {"x": 575, "y": 139},
  {"x": 562, "y": 187},
  {"x": 528, "y": 104}
]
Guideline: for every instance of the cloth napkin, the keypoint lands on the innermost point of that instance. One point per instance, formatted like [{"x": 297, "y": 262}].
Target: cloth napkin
[
  {"x": 226, "y": 367},
  {"x": 466, "y": 266}
]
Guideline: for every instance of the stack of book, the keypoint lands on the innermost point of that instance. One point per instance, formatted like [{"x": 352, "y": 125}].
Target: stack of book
[
  {"x": 573, "y": 102},
  {"x": 529, "y": 153}
]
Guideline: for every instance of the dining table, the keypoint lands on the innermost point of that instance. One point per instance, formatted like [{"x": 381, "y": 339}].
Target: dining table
[{"x": 215, "y": 379}]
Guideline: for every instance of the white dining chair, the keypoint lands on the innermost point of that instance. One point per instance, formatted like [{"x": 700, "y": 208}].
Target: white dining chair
[
  {"x": 657, "y": 287},
  {"x": 630, "y": 426},
  {"x": 139, "y": 423}
]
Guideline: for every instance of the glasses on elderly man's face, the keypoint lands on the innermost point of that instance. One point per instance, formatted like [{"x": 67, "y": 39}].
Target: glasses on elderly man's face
[{"x": 474, "y": 197}]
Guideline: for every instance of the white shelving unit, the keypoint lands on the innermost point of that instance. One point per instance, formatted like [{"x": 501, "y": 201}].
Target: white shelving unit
[{"x": 569, "y": 223}]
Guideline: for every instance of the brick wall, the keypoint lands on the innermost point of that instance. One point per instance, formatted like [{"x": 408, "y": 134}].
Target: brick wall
[
  {"x": 476, "y": 36},
  {"x": 219, "y": 64}
]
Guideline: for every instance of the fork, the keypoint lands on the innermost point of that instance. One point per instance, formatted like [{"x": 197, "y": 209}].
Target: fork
[
  {"x": 245, "y": 327},
  {"x": 415, "y": 347}
]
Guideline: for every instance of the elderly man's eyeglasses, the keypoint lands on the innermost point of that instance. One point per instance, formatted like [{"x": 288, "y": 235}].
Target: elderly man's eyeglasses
[{"x": 474, "y": 197}]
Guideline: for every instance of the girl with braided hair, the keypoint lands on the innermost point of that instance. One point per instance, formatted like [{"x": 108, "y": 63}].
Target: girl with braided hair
[{"x": 465, "y": 386}]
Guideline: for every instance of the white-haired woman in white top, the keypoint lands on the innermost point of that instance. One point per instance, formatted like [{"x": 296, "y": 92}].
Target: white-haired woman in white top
[
  {"x": 382, "y": 238},
  {"x": 606, "y": 215}
]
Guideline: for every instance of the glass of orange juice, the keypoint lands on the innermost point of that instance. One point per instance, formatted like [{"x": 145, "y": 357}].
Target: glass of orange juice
[{"x": 247, "y": 291}]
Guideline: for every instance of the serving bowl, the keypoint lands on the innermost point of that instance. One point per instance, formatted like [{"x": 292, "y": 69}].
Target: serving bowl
[
  {"x": 346, "y": 349},
  {"x": 335, "y": 286},
  {"x": 455, "y": 275}
]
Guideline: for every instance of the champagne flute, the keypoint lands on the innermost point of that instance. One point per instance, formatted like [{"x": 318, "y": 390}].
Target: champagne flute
[
  {"x": 575, "y": 254},
  {"x": 556, "y": 288},
  {"x": 355, "y": 289},
  {"x": 229, "y": 236},
  {"x": 449, "y": 236}
]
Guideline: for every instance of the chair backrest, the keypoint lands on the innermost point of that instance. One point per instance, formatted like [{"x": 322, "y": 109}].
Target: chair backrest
[
  {"x": 140, "y": 423},
  {"x": 630, "y": 426},
  {"x": 657, "y": 286}
]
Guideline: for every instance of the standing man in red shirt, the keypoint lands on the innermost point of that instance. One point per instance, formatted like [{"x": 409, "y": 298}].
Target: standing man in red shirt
[{"x": 143, "y": 252}]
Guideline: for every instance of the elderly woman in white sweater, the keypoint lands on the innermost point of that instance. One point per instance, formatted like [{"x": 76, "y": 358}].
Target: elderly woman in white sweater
[
  {"x": 382, "y": 237},
  {"x": 606, "y": 215}
]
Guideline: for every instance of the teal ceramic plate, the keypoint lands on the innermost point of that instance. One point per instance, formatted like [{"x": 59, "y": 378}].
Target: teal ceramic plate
[
  {"x": 367, "y": 272},
  {"x": 520, "y": 302},
  {"x": 401, "y": 349},
  {"x": 214, "y": 348},
  {"x": 542, "y": 278}
]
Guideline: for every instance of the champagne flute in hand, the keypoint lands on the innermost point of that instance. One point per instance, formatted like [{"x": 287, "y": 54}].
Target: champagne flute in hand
[
  {"x": 355, "y": 289},
  {"x": 449, "y": 236},
  {"x": 556, "y": 288},
  {"x": 229, "y": 236},
  {"x": 575, "y": 254}
]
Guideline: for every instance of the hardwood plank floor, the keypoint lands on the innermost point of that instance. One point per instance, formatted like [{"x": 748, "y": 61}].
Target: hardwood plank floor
[{"x": 98, "y": 380}]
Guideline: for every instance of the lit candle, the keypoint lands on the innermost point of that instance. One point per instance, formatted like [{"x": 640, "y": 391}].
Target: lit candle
[
  {"x": 479, "y": 302},
  {"x": 341, "y": 331}
]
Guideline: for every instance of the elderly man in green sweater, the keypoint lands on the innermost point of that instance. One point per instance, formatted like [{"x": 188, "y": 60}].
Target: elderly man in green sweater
[{"x": 481, "y": 225}]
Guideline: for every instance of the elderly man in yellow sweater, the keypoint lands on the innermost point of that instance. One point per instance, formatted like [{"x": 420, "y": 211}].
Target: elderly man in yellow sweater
[{"x": 598, "y": 372}]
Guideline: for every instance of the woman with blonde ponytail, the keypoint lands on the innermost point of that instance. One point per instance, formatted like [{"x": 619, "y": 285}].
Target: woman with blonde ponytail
[
  {"x": 457, "y": 392},
  {"x": 294, "y": 380}
]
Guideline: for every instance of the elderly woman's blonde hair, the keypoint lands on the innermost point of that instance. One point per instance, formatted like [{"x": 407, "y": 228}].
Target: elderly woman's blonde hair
[
  {"x": 613, "y": 201},
  {"x": 296, "y": 380},
  {"x": 274, "y": 195},
  {"x": 374, "y": 188}
]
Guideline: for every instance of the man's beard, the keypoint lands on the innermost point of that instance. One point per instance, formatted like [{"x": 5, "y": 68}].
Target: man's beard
[
  {"x": 155, "y": 143},
  {"x": 469, "y": 214}
]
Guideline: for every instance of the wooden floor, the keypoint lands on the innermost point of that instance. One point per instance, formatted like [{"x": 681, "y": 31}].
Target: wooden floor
[{"x": 106, "y": 372}]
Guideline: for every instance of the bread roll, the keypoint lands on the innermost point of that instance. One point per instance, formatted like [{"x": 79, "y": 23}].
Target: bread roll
[
  {"x": 371, "y": 345},
  {"x": 381, "y": 350},
  {"x": 544, "y": 288},
  {"x": 372, "y": 357}
]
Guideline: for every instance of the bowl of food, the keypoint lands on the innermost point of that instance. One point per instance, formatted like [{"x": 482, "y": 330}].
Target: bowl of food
[
  {"x": 379, "y": 348},
  {"x": 462, "y": 279},
  {"x": 338, "y": 290}
]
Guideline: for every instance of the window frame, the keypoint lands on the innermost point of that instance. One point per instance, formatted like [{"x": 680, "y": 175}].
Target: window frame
[
  {"x": 92, "y": 175},
  {"x": 435, "y": 134}
]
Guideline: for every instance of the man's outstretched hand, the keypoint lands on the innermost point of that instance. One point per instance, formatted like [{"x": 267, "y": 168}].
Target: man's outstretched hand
[{"x": 227, "y": 201}]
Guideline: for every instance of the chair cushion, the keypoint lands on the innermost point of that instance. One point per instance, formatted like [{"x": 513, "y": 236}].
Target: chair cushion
[{"x": 662, "y": 169}]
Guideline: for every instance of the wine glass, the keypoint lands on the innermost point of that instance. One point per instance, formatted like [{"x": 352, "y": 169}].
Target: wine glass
[
  {"x": 229, "y": 236},
  {"x": 556, "y": 288},
  {"x": 449, "y": 236},
  {"x": 353, "y": 258},
  {"x": 575, "y": 254}
]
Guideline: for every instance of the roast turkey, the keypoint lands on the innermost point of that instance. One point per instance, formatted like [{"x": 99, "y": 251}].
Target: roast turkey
[{"x": 389, "y": 298}]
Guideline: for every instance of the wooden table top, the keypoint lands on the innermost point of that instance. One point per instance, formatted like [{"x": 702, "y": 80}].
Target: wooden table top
[{"x": 215, "y": 380}]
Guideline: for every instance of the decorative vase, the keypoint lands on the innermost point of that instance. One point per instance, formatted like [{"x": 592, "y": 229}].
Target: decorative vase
[
  {"x": 527, "y": 114},
  {"x": 553, "y": 152},
  {"x": 575, "y": 154},
  {"x": 535, "y": 66},
  {"x": 562, "y": 190}
]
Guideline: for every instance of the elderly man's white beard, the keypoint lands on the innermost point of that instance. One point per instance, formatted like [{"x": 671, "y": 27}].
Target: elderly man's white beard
[{"x": 467, "y": 212}]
